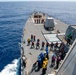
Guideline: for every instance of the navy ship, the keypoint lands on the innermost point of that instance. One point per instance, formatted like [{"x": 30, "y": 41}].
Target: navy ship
[{"x": 59, "y": 39}]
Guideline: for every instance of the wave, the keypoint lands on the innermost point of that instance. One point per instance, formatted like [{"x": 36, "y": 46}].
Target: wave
[{"x": 10, "y": 69}]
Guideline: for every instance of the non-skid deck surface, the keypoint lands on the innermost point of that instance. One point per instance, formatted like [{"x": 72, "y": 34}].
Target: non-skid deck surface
[
  {"x": 37, "y": 30},
  {"x": 34, "y": 30}
]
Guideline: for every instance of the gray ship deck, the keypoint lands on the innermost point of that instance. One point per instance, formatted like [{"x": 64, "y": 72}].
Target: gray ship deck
[{"x": 37, "y": 30}]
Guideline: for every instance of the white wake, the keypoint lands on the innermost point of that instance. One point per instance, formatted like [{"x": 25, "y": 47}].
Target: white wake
[{"x": 10, "y": 69}]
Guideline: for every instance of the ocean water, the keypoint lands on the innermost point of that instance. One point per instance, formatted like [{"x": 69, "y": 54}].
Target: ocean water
[{"x": 13, "y": 16}]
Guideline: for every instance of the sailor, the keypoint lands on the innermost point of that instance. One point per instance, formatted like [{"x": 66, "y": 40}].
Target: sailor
[
  {"x": 62, "y": 55},
  {"x": 53, "y": 59},
  {"x": 39, "y": 63},
  {"x": 62, "y": 48},
  {"x": 38, "y": 40},
  {"x": 32, "y": 45},
  {"x": 52, "y": 45},
  {"x": 46, "y": 48},
  {"x": 24, "y": 60},
  {"x": 43, "y": 43},
  {"x": 31, "y": 38},
  {"x": 44, "y": 66},
  {"x": 56, "y": 45},
  {"x": 47, "y": 56},
  {"x": 34, "y": 37},
  {"x": 28, "y": 40},
  {"x": 58, "y": 61},
  {"x": 37, "y": 45},
  {"x": 42, "y": 57},
  {"x": 47, "y": 44},
  {"x": 46, "y": 60}
]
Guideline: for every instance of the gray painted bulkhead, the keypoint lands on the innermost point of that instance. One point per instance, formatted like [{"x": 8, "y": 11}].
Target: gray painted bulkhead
[{"x": 68, "y": 66}]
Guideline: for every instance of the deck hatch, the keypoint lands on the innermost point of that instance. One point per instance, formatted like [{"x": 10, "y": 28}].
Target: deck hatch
[{"x": 52, "y": 38}]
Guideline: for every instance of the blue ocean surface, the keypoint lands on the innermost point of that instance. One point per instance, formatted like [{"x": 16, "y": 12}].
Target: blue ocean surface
[{"x": 13, "y": 16}]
